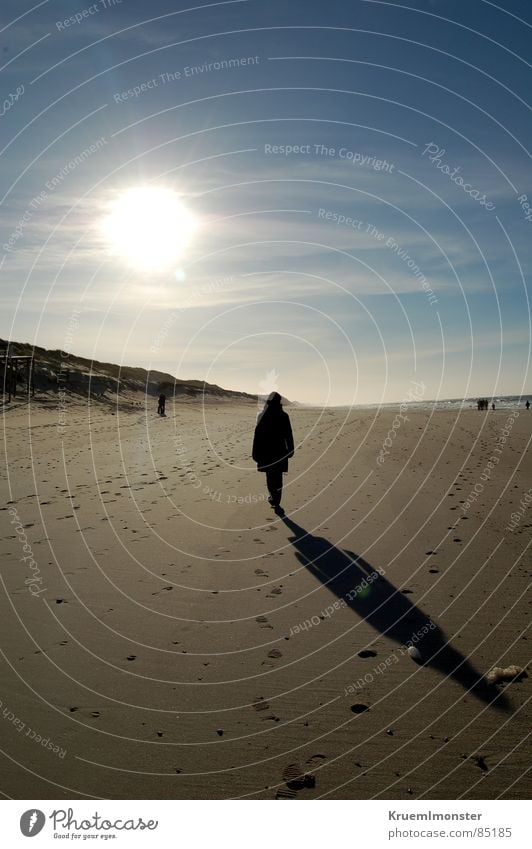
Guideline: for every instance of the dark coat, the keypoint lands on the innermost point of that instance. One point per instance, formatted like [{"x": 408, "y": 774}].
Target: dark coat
[{"x": 273, "y": 442}]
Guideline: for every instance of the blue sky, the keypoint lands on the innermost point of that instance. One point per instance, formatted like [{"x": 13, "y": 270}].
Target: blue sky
[{"x": 337, "y": 256}]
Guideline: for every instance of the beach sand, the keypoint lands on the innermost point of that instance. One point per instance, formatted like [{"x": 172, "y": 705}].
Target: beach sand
[{"x": 169, "y": 636}]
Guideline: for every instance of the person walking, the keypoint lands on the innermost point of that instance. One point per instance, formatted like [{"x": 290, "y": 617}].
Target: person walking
[
  {"x": 162, "y": 405},
  {"x": 273, "y": 446}
]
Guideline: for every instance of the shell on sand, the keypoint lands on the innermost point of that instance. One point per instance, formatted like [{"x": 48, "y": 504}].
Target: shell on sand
[
  {"x": 509, "y": 673},
  {"x": 414, "y": 653}
]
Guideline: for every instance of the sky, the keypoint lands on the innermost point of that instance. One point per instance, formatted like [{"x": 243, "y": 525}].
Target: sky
[{"x": 354, "y": 179}]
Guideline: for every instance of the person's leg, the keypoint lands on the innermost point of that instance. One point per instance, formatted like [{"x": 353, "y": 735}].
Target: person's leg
[
  {"x": 274, "y": 482},
  {"x": 279, "y": 486},
  {"x": 269, "y": 484}
]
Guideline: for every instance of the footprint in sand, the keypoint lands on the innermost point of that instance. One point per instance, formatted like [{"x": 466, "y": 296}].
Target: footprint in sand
[
  {"x": 359, "y": 707},
  {"x": 315, "y": 760},
  {"x": 367, "y": 653},
  {"x": 296, "y": 778},
  {"x": 293, "y": 775},
  {"x": 275, "y": 653},
  {"x": 263, "y": 622},
  {"x": 285, "y": 794},
  {"x": 261, "y": 705}
]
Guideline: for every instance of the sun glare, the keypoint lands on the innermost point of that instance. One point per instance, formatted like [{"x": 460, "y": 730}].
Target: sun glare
[{"x": 149, "y": 227}]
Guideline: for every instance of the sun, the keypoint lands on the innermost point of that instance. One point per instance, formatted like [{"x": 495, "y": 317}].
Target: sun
[{"x": 149, "y": 227}]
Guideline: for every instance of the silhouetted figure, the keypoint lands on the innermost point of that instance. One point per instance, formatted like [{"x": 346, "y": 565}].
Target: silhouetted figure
[
  {"x": 273, "y": 445},
  {"x": 527, "y": 405},
  {"x": 162, "y": 405},
  {"x": 493, "y": 405}
]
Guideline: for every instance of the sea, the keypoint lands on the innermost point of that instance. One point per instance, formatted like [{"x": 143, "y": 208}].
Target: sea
[{"x": 502, "y": 402}]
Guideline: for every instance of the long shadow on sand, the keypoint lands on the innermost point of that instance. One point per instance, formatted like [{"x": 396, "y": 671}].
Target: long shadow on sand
[{"x": 387, "y": 609}]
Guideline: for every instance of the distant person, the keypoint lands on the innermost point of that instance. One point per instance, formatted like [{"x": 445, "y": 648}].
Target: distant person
[
  {"x": 493, "y": 405},
  {"x": 273, "y": 445},
  {"x": 527, "y": 405},
  {"x": 162, "y": 405}
]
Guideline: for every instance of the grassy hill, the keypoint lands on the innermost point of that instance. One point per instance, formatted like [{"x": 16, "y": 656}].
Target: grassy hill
[{"x": 56, "y": 371}]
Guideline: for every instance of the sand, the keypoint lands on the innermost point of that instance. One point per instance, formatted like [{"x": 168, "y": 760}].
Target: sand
[{"x": 169, "y": 636}]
